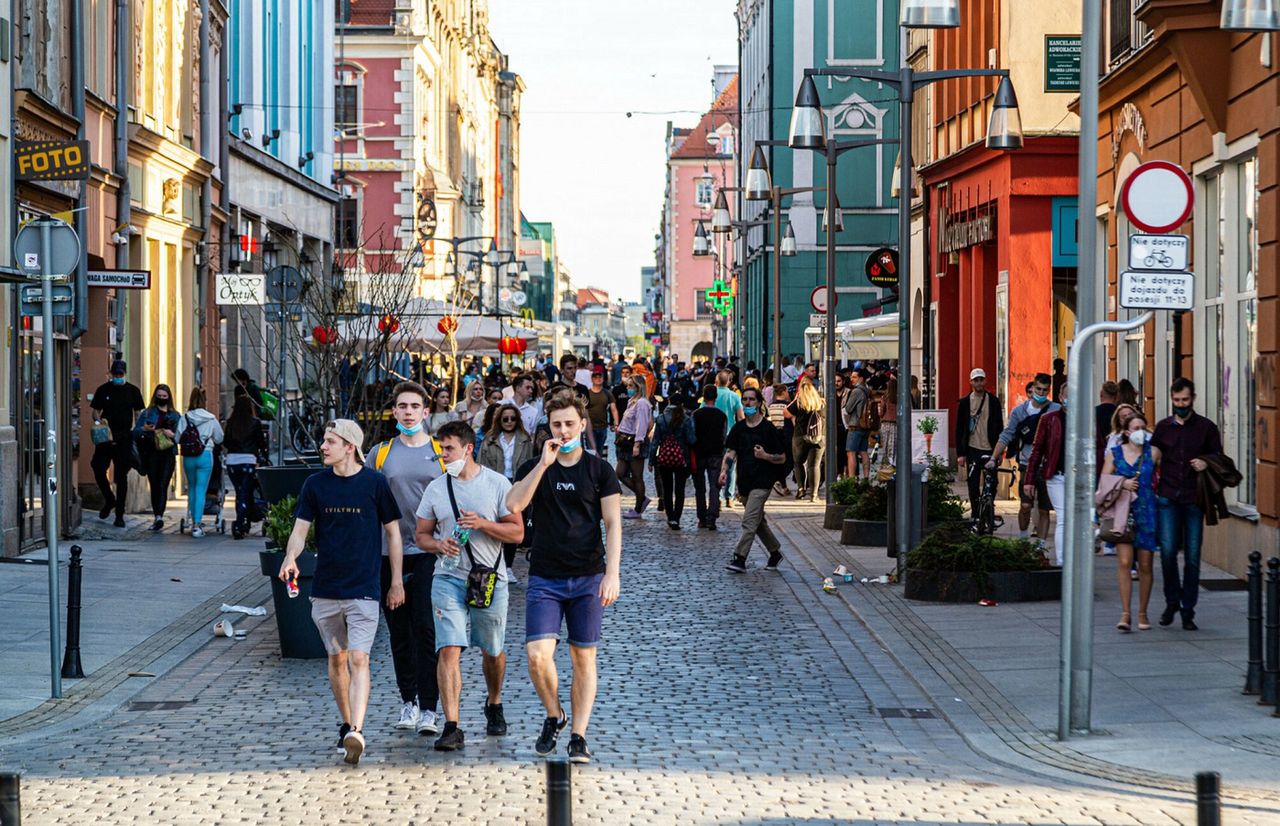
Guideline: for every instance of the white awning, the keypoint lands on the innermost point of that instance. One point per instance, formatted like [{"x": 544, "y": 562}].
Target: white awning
[{"x": 874, "y": 338}]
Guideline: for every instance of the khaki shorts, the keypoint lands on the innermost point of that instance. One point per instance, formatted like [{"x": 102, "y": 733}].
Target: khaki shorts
[{"x": 345, "y": 624}]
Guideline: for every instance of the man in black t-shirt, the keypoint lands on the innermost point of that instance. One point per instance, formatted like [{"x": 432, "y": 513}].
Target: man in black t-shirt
[
  {"x": 757, "y": 447},
  {"x": 116, "y": 401},
  {"x": 573, "y": 576},
  {"x": 709, "y": 425}
]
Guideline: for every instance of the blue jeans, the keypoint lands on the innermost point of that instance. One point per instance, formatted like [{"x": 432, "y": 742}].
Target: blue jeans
[
  {"x": 1180, "y": 526},
  {"x": 602, "y": 444},
  {"x": 198, "y": 470}
]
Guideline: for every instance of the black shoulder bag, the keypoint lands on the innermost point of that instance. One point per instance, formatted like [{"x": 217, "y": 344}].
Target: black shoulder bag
[{"x": 482, "y": 580}]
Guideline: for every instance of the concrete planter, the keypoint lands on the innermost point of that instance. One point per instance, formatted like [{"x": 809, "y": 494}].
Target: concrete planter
[
  {"x": 833, "y": 518},
  {"x": 864, "y": 532},
  {"x": 299, "y": 638},
  {"x": 1007, "y": 586}
]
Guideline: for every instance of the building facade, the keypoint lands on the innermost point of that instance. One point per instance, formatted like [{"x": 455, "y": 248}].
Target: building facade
[{"x": 1177, "y": 88}]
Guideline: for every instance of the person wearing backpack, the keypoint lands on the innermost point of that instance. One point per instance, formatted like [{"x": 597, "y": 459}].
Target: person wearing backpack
[
  {"x": 809, "y": 436},
  {"x": 198, "y": 432},
  {"x": 861, "y": 417},
  {"x": 673, "y": 442}
]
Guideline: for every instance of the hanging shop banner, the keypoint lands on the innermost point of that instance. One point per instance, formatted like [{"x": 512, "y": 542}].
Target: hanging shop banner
[
  {"x": 242, "y": 288},
  {"x": 51, "y": 160}
]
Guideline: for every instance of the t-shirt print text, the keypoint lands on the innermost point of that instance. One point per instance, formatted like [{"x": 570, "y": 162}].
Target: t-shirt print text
[
  {"x": 565, "y": 486},
  {"x": 337, "y": 509}
]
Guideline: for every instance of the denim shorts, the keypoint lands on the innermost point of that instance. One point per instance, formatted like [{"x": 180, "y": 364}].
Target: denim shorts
[
  {"x": 575, "y": 601},
  {"x": 488, "y": 626},
  {"x": 857, "y": 441}
]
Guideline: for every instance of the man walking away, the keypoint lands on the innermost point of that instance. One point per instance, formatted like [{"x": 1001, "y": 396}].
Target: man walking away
[
  {"x": 573, "y": 576},
  {"x": 1018, "y": 437},
  {"x": 979, "y": 422},
  {"x": 758, "y": 448},
  {"x": 1184, "y": 440},
  {"x": 116, "y": 401},
  {"x": 464, "y": 518},
  {"x": 410, "y": 461},
  {"x": 709, "y": 425},
  {"x": 347, "y": 503}
]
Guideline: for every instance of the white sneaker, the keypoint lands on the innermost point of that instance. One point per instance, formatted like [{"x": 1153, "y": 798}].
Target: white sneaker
[
  {"x": 197, "y": 532},
  {"x": 409, "y": 716},
  {"x": 427, "y": 723},
  {"x": 353, "y": 745},
  {"x": 512, "y": 579}
]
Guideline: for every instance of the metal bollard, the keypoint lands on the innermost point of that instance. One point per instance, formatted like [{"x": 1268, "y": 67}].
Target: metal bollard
[
  {"x": 71, "y": 668},
  {"x": 10, "y": 801},
  {"x": 1253, "y": 677},
  {"x": 559, "y": 793},
  {"x": 1271, "y": 646},
  {"x": 1208, "y": 799}
]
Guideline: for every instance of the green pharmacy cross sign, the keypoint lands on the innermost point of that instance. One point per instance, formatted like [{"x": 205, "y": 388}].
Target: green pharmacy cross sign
[{"x": 720, "y": 297}]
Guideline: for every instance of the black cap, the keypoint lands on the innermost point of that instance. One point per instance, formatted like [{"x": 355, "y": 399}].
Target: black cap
[{"x": 119, "y": 368}]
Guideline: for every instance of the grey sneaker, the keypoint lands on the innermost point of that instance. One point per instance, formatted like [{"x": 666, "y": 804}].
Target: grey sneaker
[
  {"x": 428, "y": 723},
  {"x": 409, "y": 716}
]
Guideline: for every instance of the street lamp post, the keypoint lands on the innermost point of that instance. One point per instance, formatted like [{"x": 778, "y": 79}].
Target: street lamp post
[{"x": 808, "y": 130}]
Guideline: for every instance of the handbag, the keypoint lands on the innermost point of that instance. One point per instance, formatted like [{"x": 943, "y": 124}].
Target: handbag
[
  {"x": 100, "y": 434},
  {"x": 1109, "y": 533},
  {"x": 482, "y": 580},
  {"x": 163, "y": 442}
]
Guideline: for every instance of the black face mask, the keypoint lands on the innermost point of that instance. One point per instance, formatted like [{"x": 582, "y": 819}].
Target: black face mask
[
  {"x": 162, "y": 402},
  {"x": 1182, "y": 412}
]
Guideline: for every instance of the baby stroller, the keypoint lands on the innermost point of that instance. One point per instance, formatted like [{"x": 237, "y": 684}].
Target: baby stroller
[
  {"x": 214, "y": 496},
  {"x": 257, "y": 507}
]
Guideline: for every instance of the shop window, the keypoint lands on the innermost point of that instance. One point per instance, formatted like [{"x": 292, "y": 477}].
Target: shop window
[
  {"x": 705, "y": 192},
  {"x": 1226, "y": 341},
  {"x": 346, "y": 106},
  {"x": 348, "y": 219}
]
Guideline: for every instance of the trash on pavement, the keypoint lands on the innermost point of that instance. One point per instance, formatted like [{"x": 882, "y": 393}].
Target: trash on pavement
[
  {"x": 840, "y": 571},
  {"x": 828, "y": 585},
  {"x": 224, "y": 628},
  {"x": 240, "y": 609},
  {"x": 988, "y": 603}
]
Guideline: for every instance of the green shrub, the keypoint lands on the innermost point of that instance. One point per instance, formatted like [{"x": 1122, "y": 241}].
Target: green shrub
[
  {"x": 279, "y": 524},
  {"x": 872, "y": 505},
  {"x": 847, "y": 490},
  {"x": 954, "y": 547},
  {"x": 944, "y": 505}
]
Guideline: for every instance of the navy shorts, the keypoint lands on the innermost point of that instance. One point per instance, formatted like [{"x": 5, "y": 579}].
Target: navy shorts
[
  {"x": 857, "y": 441},
  {"x": 575, "y": 601}
]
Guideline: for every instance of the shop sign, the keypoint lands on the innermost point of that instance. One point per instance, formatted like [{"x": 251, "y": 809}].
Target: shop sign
[
  {"x": 240, "y": 288},
  {"x": 51, "y": 160},
  {"x": 1157, "y": 290},
  {"x": 968, "y": 233},
  {"x": 882, "y": 267},
  {"x": 1062, "y": 63}
]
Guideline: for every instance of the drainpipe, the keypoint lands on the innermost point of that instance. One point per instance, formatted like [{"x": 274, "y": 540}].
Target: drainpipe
[
  {"x": 80, "y": 217},
  {"x": 124, "y": 48},
  {"x": 206, "y": 188}
]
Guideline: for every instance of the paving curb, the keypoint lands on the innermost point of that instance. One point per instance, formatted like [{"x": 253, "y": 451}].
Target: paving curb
[{"x": 982, "y": 704}]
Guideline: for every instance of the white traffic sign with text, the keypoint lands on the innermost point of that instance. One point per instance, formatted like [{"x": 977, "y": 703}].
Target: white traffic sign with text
[
  {"x": 1157, "y": 290},
  {"x": 1159, "y": 253}
]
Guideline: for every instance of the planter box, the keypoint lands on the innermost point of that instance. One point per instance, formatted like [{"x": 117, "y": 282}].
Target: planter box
[
  {"x": 280, "y": 482},
  {"x": 960, "y": 586},
  {"x": 863, "y": 532},
  {"x": 299, "y": 638},
  {"x": 833, "y": 518}
]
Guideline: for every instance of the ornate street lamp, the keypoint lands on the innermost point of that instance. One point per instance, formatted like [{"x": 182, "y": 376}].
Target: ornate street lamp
[
  {"x": 931, "y": 14},
  {"x": 720, "y": 219},
  {"x": 1251, "y": 15},
  {"x": 808, "y": 123},
  {"x": 701, "y": 243},
  {"x": 788, "y": 247},
  {"x": 758, "y": 184},
  {"x": 1004, "y": 130},
  {"x": 832, "y": 201}
]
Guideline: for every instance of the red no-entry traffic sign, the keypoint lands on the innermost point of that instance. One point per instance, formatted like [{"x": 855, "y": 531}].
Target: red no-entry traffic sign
[{"x": 1157, "y": 197}]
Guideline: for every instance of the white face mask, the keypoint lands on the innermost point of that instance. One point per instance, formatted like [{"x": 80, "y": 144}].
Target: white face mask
[
  {"x": 1138, "y": 437},
  {"x": 455, "y": 467}
]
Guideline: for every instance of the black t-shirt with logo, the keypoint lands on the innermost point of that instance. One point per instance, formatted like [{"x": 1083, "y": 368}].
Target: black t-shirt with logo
[
  {"x": 118, "y": 403},
  {"x": 753, "y": 473},
  {"x": 567, "y": 518}
]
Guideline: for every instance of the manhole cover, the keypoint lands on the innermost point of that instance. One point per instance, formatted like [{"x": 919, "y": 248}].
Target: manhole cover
[{"x": 909, "y": 713}]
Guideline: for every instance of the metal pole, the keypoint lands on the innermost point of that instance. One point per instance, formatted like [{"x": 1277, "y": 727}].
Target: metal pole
[
  {"x": 559, "y": 793},
  {"x": 776, "y": 204},
  {"x": 282, "y": 411},
  {"x": 71, "y": 667},
  {"x": 10, "y": 799},
  {"x": 1253, "y": 677},
  {"x": 1208, "y": 799},
  {"x": 1075, "y": 655},
  {"x": 829, "y": 372},
  {"x": 903, "y": 477},
  {"x": 50, "y": 504},
  {"x": 1271, "y": 646}
]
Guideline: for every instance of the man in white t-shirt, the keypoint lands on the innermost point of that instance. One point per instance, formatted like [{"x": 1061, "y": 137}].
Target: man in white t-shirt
[{"x": 522, "y": 391}]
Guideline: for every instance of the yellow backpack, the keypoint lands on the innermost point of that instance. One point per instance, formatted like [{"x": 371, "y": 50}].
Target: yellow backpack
[{"x": 384, "y": 449}]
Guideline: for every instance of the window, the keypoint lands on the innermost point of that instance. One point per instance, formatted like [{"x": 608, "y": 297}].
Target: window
[
  {"x": 1126, "y": 34},
  {"x": 346, "y": 106},
  {"x": 1226, "y": 321},
  {"x": 700, "y": 308},
  {"x": 706, "y": 191},
  {"x": 348, "y": 219}
]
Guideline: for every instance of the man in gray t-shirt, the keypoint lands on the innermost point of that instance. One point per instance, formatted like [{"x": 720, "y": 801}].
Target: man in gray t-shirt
[{"x": 474, "y": 499}]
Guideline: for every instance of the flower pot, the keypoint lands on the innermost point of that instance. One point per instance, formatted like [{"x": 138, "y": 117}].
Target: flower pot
[
  {"x": 299, "y": 638},
  {"x": 864, "y": 532},
  {"x": 1002, "y": 586},
  {"x": 833, "y": 518}
]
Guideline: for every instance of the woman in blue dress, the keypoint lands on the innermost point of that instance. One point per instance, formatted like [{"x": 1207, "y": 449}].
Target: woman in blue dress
[{"x": 1135, "y": 459}]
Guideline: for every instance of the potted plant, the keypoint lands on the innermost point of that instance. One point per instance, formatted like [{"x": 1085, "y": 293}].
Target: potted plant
[
  {"x": 928, "y": 426},
  {"x": 299, "y": 638},
  {"x": 866, "y": 512},
  {"x": 842, "y": 494},
  {"x": 953, "y": 564}
]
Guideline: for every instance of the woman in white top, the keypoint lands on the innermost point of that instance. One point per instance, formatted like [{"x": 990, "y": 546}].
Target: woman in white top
[
  {"x": 473, "y": 405},
  {"x": 441, "y": 410},
  {"x": 198, "y": 469}
]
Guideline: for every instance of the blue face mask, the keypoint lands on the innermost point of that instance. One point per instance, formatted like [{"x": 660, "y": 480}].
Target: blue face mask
[
  {"x": 409, "y": 431},
  {"x": 571, "y": 446},
  {"x": 750, "y": 411},
  {"x": 631, "y": 391},
  {"x": 1039, "y": 399},
  {"x": 117, "y": 379}
]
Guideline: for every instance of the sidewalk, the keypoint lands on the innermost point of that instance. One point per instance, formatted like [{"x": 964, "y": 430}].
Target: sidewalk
[
  {"x": 1166, "y": 702},
  {"x": 146, "y": 598}
]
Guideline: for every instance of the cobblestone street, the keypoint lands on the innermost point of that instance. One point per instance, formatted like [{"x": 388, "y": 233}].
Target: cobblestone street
[{"x": 723, "y": 699}]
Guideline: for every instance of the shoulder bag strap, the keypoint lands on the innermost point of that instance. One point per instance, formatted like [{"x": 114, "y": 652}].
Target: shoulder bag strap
[
  {"x": 380, "y": 458},
  {"x": 453, "y": 502}
]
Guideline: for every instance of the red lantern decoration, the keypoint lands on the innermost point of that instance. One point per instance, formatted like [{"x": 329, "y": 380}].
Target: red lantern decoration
[
  {"x": 388, "y": 324},
  {"x": 447, "y": 325},
  {"x": 324, "y": 335},
  {"x": 509, "y": 345},
  {"x": 524, "y": 345}
]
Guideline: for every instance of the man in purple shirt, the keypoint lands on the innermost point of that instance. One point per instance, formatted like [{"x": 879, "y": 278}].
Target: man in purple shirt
[{"x": 1182, "y": 439}]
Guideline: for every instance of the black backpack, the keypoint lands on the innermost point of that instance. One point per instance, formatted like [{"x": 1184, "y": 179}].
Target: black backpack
[{"x": 190, "y": 445}]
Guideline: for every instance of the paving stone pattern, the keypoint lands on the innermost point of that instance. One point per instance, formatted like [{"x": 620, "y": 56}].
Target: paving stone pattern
[{"x": 723, "y": 699}]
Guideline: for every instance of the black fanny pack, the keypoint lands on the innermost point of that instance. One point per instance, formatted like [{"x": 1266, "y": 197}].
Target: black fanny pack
[{"x": 482, "y": 580}]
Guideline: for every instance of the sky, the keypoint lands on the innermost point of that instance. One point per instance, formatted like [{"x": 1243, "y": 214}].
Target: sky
[{"x": 585, "y": 165}]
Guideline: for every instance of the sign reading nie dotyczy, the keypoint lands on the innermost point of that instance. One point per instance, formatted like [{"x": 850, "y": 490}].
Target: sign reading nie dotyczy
[{"x": 51, "y": 160}]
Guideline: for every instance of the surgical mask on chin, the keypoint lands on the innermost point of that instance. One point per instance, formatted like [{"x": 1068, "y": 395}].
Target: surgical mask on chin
[
  {"x": 571, "y": 445},
  {"x": 1182, "y": 412},
  {"x": 749, "y": 411},
  {"x": 1039, "y": 399},
  {"x": 409, "y": 431},
  {"x": 455, "y": 467},
  {"x": 1138, "y": 437}
]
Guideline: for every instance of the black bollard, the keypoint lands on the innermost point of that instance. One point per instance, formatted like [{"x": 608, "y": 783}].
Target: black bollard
[
  {"x": 1253, "y": 677},
  {"x": 10, "y": 801},
  {"x": 71, "y": 668},
  {"x": 1271, "y": 646},
  {"x": 559, "y": 793},
  {"x": 1208, "y": 799}
]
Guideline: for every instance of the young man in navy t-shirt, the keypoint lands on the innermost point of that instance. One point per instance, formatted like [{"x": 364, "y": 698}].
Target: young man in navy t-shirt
[{"x": 352, "y": 507}]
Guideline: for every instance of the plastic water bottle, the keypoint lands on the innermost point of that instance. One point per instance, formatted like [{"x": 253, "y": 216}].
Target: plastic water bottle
[{"x": 461, "y": 536}]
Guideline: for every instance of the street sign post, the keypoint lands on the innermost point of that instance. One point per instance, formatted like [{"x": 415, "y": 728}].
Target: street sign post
[
  {"x": 818, "y": 299},
  {"x": 1157, "y": 290},
  {"x": 31, "y": 298},
  {"x": 1159, "y": 253},
  {"x": 1157, "y": 197}
]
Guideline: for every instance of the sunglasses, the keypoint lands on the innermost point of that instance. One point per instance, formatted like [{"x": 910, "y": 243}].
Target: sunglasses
[{"x": 506, "y": 420}]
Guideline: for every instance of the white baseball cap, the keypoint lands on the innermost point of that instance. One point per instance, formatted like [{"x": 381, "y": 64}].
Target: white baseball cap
[{"x": 977, "y": 373}]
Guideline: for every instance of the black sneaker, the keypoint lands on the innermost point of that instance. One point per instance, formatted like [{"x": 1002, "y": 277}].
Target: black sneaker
[
  {"x": 578, "y": 751},
  {"x": 106, "y": 510},
  {"x": 450, "y": 740},
  {"x": 673, "y": 524},
  {"x": 119, "y": 523},
  {"x": 711, "y": 526},
  {"x": 1167, "y": 617},
  {"x": 1188, "y": 623},
  {"x": 774, "y": 559},
  {"x": 342, "y": 735},
  {"x": 551, "y": 728},
  {"x": 495, "y": 721},
  {"x": 738, "y": 565},
  {"x": 157, "y": 525}
]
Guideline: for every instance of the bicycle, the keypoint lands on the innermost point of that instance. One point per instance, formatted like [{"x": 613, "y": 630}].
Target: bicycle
[
  {"x": 985, "y": 520},
  {"x": 1158, "y": 258}
]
